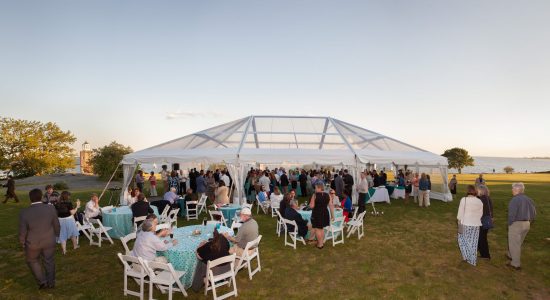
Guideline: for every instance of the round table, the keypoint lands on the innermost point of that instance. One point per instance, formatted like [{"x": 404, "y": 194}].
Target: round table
[
  {"x": 306, "y": 214},
  {"x": 229, "y": 212},
  {"x": 121, "y": 220},
  {"x": 378, "y": 194},
  {"x": 182, "y": 256},
  {"x": 399, "y": 192}
]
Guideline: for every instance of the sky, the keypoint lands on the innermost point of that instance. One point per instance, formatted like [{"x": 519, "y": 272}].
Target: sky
[{"x": 434, "y": 74}]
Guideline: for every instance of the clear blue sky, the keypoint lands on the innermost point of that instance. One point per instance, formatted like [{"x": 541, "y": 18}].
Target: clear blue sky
[{"x": 435, "y": 74}]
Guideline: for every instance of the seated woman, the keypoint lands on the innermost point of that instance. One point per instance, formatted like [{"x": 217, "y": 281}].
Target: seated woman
[
  {"x": 148, "y": 243},
  {"x": 132, "y": 197},
  {"x": 346, "y": 206},
  {"x": 335, "y": 200},
  {"x": 141, "y": 208},
  {"x": 222, "y": 196},
  {"x": 65, "y": 213},
  {"x": 276, "y": 197},
  {"x": 190, "y": 196},
  {"x": 215, "y": 248}
]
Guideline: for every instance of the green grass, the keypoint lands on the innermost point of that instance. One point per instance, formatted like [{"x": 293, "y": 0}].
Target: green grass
[{"x": 409, "y": 253}]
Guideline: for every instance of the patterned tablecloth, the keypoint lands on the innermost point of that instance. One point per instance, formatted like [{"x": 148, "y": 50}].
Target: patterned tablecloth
[
  {"x": 182, "y": 256},
  {"x": 229, "y": 212},
  {"x": 120, "y": 219}
]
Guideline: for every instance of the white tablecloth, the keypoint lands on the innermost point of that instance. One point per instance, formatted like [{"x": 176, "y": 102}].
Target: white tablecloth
[
  {"x": 398, "y": 193},
  {"x": 380, "y": 195}
]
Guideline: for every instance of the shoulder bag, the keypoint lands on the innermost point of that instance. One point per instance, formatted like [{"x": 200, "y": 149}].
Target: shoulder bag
[
  {"x": 487, "y": 221},
  {"x": 460, "y": 228}
]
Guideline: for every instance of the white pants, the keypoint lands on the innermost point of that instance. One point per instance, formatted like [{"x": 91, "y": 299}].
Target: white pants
[
  {"x": 424, "y": 198},
  {"x": 153, "y": 191}
]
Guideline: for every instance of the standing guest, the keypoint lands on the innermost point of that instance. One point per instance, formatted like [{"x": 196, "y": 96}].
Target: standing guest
[
  {"x": 65, "y": 213},
  {"x": 276, "y": 196},
  {"x": 10, "y": 192},
  {"x": 193, "y": 179},
  {"x": 210, "y": 186},
  {"x": 415, "y": 186},
  {"x": 423, "y": 186},
  {"x": 141, "y": 208},
  {"x": 383, "y": 178},
  {"x": 521, "y": 212},
  {"x": 303, "y": 183},
  {"x": 347, "y": 207},
  {"x": 38, "y": 229},
  {"x": 201, "y": 184},
  {"x": 363, "y": 189},
  {"x": 408, "y": 190},
  {"x": 225, "y": 178},
  {"x": 183, "y": 181},
  {"x": 293, "y": 180},
  {"x": 334, "y": 198},
  {"x": 348, "y": 181},
  {"x": 284, "y": 182},
  {"x": 173, "y": 180},
  {"x": 480, "y": 180},
  {"x": 140, "y": 180},
  {"x": 428, "y": 190},
  {"x": 370, "y": 180},
  {"x": 207, "y": 251},
  {"x": 339, "y": 184},
  {"x": 469, "y": 215},
  {"x": 264, "y": 181},
  {"x": 222, "y": 196},
  {"x": 320, "y": 204},
  {"x": 375, "y": 179},
  {"x": 247, "y": 232},
  {"x": 51, "y": 196},
  {"x": 452, "y": 186},
  {"x": 483, "y": 245},
  {"x": 217, "y": 175},
  {"x": 148, "y": 243},
  {"x": 291, "y": 213},
  {"x": 92, "y": 210},
  {"x": 153, "y": 184},
  {"x": 164, "y": 178}
]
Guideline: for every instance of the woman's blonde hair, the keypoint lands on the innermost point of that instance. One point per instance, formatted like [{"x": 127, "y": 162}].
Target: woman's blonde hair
[{"x": 483, "y": 190}]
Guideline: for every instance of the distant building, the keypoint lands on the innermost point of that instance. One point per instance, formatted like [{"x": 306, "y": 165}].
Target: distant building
[{"x": 85, "y": 155}]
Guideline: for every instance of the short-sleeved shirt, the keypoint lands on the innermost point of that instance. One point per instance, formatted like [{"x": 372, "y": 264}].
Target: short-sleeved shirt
[
  {"x": 247, "y": 233},
  {"x": 63, "y": 209}
]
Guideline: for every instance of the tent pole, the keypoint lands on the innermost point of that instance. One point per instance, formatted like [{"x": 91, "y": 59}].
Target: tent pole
[{"x": 110, "y": 179}]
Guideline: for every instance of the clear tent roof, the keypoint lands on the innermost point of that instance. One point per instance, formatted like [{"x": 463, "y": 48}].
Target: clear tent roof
[{"x": 287, "y": 132}]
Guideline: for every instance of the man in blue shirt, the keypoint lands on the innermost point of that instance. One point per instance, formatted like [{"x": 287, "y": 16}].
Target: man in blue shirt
[{"x": 521, "y": 212}]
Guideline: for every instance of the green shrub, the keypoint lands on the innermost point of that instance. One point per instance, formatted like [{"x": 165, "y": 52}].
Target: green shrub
[{"x": 60, "y": 186}]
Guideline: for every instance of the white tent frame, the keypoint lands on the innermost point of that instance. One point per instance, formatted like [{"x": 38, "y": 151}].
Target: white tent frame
[{"x": 243, "y": 143}]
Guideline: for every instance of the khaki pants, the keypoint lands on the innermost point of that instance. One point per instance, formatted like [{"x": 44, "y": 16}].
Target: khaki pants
[
  {"x": 516, "y": 234},
  {"x": 423, "y": 199}
]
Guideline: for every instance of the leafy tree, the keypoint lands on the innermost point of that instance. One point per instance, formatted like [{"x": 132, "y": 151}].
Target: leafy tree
[
  {"x": 34, "y": 148},
  {"x": 458, "y": 158},
  {"x": 508, "y": 170},
  {"x": 105, "y": 160}
]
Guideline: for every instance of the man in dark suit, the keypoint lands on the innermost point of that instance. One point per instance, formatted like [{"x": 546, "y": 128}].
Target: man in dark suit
[
  {"x": 141, "y": 208},
  {"x": 292, "y": 214},
  {"x": 38, "y": 228},
  {"x": 10, "y": 193}
]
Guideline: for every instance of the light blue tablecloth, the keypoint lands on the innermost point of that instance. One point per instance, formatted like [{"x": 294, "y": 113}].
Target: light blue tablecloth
[
  {"x": 182, "y": 256},
  {"x": 306, "y": 214},
  {"x": 121, "y": 221},
  {"x": 229, "y": 212}
]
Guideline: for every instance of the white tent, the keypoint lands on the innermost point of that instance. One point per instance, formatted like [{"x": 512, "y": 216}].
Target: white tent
[{"x": 291, "y": 140}]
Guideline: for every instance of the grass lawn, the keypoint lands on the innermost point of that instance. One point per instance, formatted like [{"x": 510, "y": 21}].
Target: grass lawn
[{"x": 408, "y": 253}]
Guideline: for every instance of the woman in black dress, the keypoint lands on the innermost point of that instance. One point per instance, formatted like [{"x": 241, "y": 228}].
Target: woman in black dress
[{"x": 320, "y": 217}]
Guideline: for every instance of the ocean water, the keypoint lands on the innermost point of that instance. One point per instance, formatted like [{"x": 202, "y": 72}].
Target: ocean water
[{"x": 484, "y": 164}]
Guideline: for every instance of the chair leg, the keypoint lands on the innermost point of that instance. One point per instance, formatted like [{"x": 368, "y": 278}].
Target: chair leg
[
  {"x": 150, "y": 290},
  {"x": 170, "y": 292}
]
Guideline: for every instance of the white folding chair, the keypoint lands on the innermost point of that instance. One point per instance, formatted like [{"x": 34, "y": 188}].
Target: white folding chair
[
  {"x": 357, "y": 225},
  {"x": 275, "y": 207},
  {"x": 164, "y": 277},
  {"x": 202, "y": 204},
  {"x": 191, "y": 212},
  {"x": 126, "y": 239},
  {"x": 220, "y": 219},
  {"x": 215, "y": 281},
  {"x": 163, "y": 218},
  {"x": 280, "y": 223},
  {"x": 249, "y": 205},
  {"x": 133, "y": 268},
  {"x": 173, "y": 217},
  {"x": 85, "y": 228},
  {"x": 163, "y": 226},
  {"x": 292, "y": 234},
  {"x": 336, "y": 231},
  {"x": 137, "y": 220},
  {"x": 264, "y": 209},
  {"x": 355, "y": 215},
  {"x": 105, "y": 209},
  {"x": 97, "y": 229},
  {"x": 250, "y": 252}
]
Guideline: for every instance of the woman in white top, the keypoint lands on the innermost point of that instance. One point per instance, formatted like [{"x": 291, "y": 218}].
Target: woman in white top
[
  {"x": 335, "y": 200},
  {"x": 92, "y": 210},
  {"x": 469, "y": 215},
  {"x": 276, "y": 197}
]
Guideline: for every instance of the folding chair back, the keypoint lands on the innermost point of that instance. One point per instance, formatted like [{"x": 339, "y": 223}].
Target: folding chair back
[
  {"x": 191, "y": 211},
  {"x": 163, "y": 218},
  {"x": 126, "y": 239},
  {"x": 357, "y": 225},
  {"x": 202, "y": 204},
  {"x": 97, "y": 229},
  {"x": 137, "y": 220},
  {"x": 173, "y": 217},
  {"x": 275, "y": 207},
  {"x": 293, "y": 234},
  {"x": 134, "y": 268},
  {"x": 164, "y": 277},
  {"x": 217, "y": 216},
  {"x": 215, "y": 281},
  {"x": 280, "y": 223},
  {"x": 337, "y": 231},
  {"x": 250, "y": 252}
]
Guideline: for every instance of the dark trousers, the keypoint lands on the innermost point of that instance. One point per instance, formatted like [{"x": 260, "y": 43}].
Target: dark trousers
[
  {"x": 361, "y": 202},
  {"x": 183, "y": 188},
  {"x": 11, "y": 194},
  {"x": 303, "y": 188},
  {"x": 483, "y": 244},
  {"x": 35, "y": 258}
]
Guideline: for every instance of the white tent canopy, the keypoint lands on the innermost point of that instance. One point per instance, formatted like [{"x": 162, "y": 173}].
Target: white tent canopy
[{"x": 298, "y": 140}]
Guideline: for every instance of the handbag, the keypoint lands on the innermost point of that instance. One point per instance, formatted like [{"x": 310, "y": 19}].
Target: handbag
[
  {"x": 460, "y": 227},
  {"x": 487, "y": 221}
]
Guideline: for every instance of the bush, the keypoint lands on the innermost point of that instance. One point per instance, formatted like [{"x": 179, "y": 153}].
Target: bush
[
  {"x": 61, "y": 186},
  {"x": 508, "y": 170}
]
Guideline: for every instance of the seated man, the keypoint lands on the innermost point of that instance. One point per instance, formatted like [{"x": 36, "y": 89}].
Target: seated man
[
  {"x": 51, "y": 196},
  {"x": 247, "y": 232},
  {"x": 141, "y": 208},
  {"x": 171, "y": 195},
  {"x": 148, "y": 243},
  {"x": 292, "y": 214},
  {"x": 190, "y": 196}
]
